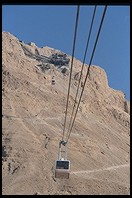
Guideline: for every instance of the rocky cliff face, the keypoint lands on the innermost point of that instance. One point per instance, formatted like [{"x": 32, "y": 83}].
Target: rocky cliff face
[{"x": 33, "y": 117}]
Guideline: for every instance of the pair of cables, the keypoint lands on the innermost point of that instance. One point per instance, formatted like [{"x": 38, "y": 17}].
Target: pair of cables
[{"x": 72, "y": 119}]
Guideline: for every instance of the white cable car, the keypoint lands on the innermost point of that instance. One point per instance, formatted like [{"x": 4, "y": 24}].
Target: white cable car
[
  {"x": 62, "y": 169},
  {"x": 62, "y": 165},
  {"x": 53, "y": 81}
]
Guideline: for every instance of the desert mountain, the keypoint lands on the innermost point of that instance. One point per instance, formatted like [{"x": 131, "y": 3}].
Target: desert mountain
[{"x": 32, "y": 124}]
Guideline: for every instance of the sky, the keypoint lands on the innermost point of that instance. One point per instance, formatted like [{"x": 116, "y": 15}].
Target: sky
[{"x": 53, "y": 26}]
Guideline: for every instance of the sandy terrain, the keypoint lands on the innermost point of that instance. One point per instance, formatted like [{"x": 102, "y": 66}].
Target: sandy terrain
[{"x": 32, "y": 125}]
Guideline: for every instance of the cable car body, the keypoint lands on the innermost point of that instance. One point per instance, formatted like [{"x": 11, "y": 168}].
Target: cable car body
[
  {"x": 62, "y": 169},
  {"x": 53, "y": 81},
  {"x": 62, "y": 165}
]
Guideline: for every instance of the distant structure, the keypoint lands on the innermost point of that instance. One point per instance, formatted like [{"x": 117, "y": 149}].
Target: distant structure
[
  {"x": 60, "y": 60},
  {"x": 31, "y": 44}
]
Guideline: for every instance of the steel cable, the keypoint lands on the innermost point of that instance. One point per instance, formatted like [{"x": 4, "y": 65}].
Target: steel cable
[
  {"x": 88, "y": 39},
  {"x": 104, "y": 12},
  {"x": 74, "y": 42}
]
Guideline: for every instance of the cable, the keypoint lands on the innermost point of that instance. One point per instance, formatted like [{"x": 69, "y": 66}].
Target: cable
[
  {"x": 88, "y": 69},
  {"x": 75, "y": 33},
  {"x": 82, "y": 66}
]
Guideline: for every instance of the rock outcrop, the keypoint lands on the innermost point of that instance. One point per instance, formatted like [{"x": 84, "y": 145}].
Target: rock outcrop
[{"x": 32, "y": 124}]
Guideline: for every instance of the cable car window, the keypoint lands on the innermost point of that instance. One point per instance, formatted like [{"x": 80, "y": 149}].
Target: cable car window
[{"x": 62, "y": 165}]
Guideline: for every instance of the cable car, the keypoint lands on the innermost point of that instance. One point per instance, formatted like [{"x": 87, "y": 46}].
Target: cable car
[
  {"x": 62, "y": 165},
  {"x": 53, "y": 81},
  {"x": 62, "y": 169}
]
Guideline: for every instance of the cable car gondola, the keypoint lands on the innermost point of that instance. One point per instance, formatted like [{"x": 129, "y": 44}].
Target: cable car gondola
[
  {"x": 62, "y": 169},
  {"x": 62, "y": 165},
  {"x": 53, "y": 81}
]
